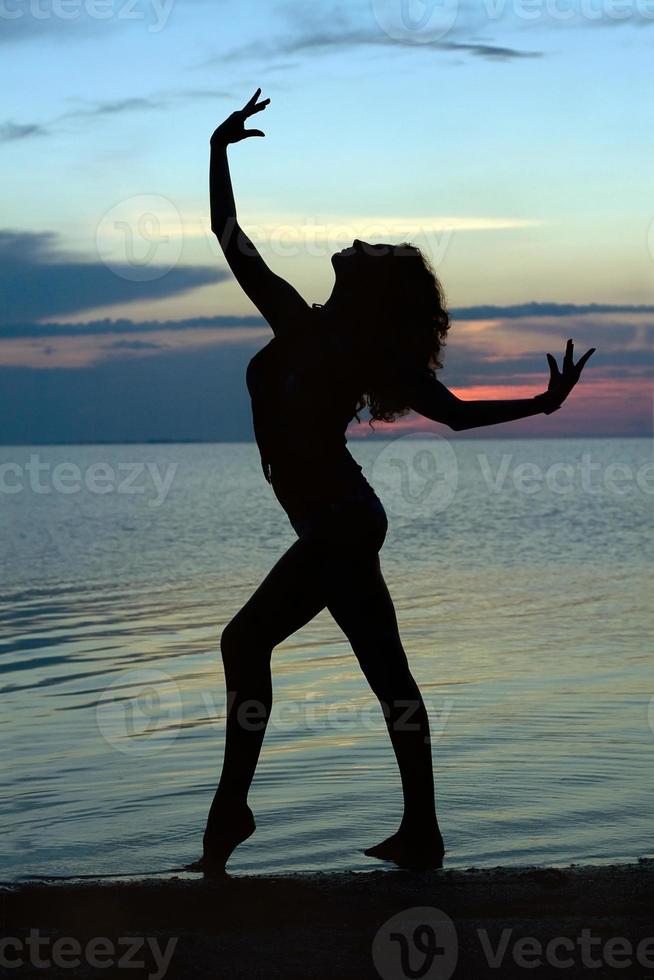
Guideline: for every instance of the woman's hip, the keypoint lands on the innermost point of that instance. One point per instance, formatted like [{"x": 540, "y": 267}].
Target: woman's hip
[{"x": 351, "y": 523}]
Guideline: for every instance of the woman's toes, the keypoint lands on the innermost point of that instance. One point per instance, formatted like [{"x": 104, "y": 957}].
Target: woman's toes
[
  {"x": 223, "y": 837},
  {"x": 409, "y": 851},
  {"x": 384, "y": 848}
]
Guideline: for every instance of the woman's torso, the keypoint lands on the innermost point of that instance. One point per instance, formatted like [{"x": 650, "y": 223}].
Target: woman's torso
[{"x": 304, "y": 390}]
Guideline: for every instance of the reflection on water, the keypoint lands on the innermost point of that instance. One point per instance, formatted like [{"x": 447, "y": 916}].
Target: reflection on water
[{"x": 523, "y": 607}]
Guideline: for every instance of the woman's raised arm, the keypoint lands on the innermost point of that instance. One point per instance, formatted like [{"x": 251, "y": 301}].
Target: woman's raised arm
[
  {"x": 436, "y": 402},
  {"x": 277, "y": 301}
]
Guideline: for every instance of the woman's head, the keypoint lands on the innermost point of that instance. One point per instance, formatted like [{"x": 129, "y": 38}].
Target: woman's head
[{"x": 395, "y": 307}]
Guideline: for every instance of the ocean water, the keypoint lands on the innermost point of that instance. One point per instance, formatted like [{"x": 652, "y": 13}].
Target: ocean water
[{"x": 521, "y": 572}]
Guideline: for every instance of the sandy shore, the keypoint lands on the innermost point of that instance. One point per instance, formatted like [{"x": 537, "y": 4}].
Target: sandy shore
[{"x": 500, "y": 923}]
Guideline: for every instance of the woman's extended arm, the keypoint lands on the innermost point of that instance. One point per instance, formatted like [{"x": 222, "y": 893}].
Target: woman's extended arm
[
  {"x": 433, "y": 400},
  {"x": 277, "y": 301}
]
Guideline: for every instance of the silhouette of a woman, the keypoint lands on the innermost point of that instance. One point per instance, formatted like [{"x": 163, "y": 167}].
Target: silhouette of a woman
[{"x": 374, "y": 342}]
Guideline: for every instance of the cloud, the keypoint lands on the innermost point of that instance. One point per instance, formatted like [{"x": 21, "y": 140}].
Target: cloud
[
  {"x": 106, "y": 109},
  {"x": 100, "y": 328},
  {"x": 133, "y": 345},
  {"x": 466, "y": 367},
  {"x": 285, "y": 230},
  {"x": 115, "y": 107},
  {"x": 201, "y": 395},
  {"x": 535, "y": 309},
  {"x": 147, "y": 380},
  {"x": 324, "y": 41},
  {"x": 316, "y": 29},
  {"x": 492, "y": 52},
  {"x": 522, "y": 311},
  {"x": 622, "y": 334},
  {"x": 11, "y": 132},
  {"x": 38, "y": 280},
  {"x": 185, "y": 395},
  {"x": 159, "y": 100},
  {"x": 502, "y": 351}
]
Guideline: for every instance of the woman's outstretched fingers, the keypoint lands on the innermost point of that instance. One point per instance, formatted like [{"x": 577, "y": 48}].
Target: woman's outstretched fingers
[
  {"x": 258, "y": 106},
  {"x": 584, "y": 357},
  {"x": 252, "y": 106},
  {"x": 554, "y": 367},
  {"x": 567, "y": 357},
  {"x": 252, "y": 101}
]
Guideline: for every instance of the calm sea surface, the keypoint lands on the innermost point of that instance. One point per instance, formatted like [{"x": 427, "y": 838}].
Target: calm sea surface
[{"x": 522, "y": 578}]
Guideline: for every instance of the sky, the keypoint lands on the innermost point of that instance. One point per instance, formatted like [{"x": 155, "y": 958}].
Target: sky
[{"x": 510, "y": 139}]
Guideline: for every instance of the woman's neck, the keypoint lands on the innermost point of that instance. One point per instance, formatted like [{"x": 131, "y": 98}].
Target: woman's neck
[{"x": 340, "y": 308}]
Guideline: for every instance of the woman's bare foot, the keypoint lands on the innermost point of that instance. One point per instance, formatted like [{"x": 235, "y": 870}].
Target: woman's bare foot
[
  {"x": 222, "y": 837},
  {"x": 410, "y": 849}
]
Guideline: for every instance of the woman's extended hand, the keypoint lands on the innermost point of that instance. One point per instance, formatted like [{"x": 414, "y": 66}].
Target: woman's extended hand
[
  {"x": 562, "y": 382},
  {"x": 233, "y": 129}
]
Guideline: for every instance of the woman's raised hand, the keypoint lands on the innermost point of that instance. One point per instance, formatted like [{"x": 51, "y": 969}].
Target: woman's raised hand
[
  {"x": 233, "y": 129},
  {"x": 562, "y": 382}
]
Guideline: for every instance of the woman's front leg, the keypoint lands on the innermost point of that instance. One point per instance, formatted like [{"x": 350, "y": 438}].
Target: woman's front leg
[{"x": 289, "y": 597}]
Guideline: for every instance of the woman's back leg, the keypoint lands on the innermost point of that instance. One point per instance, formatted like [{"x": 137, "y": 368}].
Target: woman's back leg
[{"x": 361, "y": 604}]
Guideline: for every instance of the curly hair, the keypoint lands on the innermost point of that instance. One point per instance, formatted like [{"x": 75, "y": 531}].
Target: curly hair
[{"x": 405, "y": 329}]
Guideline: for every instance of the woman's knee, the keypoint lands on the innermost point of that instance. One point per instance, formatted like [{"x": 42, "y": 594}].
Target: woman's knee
[
  {"x": 389, "y": 679},
  {"x": 240, "y": 642}
]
